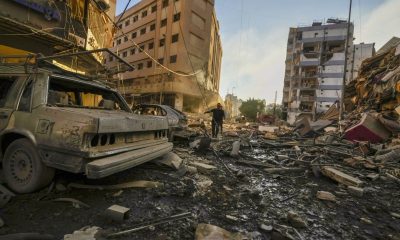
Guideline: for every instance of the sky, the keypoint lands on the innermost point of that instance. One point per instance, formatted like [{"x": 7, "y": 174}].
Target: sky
[{"x": 254, "y": 36}]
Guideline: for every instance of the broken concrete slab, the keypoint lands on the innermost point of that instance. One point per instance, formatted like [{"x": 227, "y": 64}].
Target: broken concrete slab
[
  {"x": 86, "y": 233},
  {"x": 171, "y": 160},
  {"x": 327, "y": 196},
  {"x": 368, "y": 129},
  {"x": 211, "y": 232},
  {"x": 235, "y": 149},
  {"x": 203, "y": 168},
  {"x": 117, "y": 213},
  {"x": 341, "y": 177},
  {"x": 355, "y": 191}
]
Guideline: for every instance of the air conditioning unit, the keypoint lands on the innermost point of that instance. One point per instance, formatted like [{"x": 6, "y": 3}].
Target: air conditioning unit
[{"x": 102, "y": 5}]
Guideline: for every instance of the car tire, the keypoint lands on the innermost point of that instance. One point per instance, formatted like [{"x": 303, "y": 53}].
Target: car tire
[{"x": 23, "y": 168}]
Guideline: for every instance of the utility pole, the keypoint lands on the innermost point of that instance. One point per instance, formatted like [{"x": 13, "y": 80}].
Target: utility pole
[
  {"x": 341, "y": 109},
  {"x": 276, "y": 93}
]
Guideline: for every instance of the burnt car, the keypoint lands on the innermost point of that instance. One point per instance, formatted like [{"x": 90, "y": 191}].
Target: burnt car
[
  {"x": 177, "y": 121},
  {"x": 52, "y": 119}
]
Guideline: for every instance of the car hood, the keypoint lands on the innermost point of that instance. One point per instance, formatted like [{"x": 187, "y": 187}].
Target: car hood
[{"x": 116, "y": 121}]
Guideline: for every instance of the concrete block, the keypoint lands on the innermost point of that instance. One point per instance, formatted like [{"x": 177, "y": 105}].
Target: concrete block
[
  {"x": 355, "y": 191},
  {"x": 203, "y": 168},
  {"x": 117, "y": 213}
]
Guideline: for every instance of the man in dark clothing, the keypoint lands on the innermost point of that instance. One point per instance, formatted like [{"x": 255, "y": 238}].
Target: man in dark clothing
[{"x": 218, "y": 116}]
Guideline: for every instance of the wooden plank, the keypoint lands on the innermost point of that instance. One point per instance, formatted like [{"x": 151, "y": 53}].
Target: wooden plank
[{"x": 341, "y": 177}]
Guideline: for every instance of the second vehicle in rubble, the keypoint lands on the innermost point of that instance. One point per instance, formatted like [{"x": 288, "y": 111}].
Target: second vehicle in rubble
[{"x": 52, "y": 119}]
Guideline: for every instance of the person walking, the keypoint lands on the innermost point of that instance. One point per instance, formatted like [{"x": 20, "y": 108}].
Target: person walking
[{"x": 218, "y": 116}]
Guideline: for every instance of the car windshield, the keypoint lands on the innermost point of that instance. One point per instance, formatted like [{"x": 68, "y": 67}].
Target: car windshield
[{"x": 64, "y": 93}]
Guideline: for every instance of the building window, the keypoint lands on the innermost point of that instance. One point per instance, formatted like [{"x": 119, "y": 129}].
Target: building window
[
  {"x": 127, "y": 23},
  {"x": 140, "y": 66},
  {"x": 162, "y": 42},
  {"x": 151, "y": 45},
  {"x": 118, "y": 41},
  {"x": 144, "y": 13},
  {"x": 177, "y": 17},
  {"x": 173, "y": 58},
  {"x": 141, "y": 48},
  {"x": 154, "y": 8},
  {"x": 175, "y": 38},
  {"x": 161, "y": 60},
  {"x": 153, "y": 27},
  {"x": 135, "y": 18},
  {"x": 142, "y": 31},
  {"x": 134, "y": 35},
  {"x": 164, "y": 22},
  {"x": 125, "y": 39},
  {"x": 125, "y": 54},
  {"x": 133, "y": 51},
  {"x": 110, "y": 58},
  {"x": 149, "y": 64},
  {"x": 165, "y": 3}
]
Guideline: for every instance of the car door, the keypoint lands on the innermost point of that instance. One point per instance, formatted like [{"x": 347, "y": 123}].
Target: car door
[{"x": 8, "y": 93}]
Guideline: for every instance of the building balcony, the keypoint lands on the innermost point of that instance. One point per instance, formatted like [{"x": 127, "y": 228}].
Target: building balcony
[
  {"x": 306, "y": 61},
  {"x": 307, "y": 98}
]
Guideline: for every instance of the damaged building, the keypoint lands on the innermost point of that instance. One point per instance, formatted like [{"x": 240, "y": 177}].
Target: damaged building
[
  {"x": 55, "y": 27},
  {"x": 157, "y": 36},
  {"x": 314, "y": 71}
]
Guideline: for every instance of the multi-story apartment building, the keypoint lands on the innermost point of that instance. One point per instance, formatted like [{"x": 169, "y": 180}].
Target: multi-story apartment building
[
  {"x": 315, "y": 67},
  {"x": 232, "y": 105},
  {"x": 182, "y": 36}
]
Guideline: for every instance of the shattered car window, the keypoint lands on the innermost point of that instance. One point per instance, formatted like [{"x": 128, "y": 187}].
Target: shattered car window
[
  {"x": 79, "y": 95},
  {"x": 5, "y": 85}
]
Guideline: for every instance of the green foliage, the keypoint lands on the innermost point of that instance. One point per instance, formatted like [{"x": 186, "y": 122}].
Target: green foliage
[
  {"x": 251, "y": 107},
  {"x": 278, "y": 110}
]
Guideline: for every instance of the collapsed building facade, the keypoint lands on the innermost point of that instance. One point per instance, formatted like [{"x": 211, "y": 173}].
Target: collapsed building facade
[
  {"x": 157, "y": 36},
  {"x": 315, "y": 67},
  {"x": 57, "y": 27}
]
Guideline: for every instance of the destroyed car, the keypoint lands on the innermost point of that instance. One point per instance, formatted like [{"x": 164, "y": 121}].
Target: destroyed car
[
  {"x": 177, "y": 121},
  {"x": 52, "y": 119}
]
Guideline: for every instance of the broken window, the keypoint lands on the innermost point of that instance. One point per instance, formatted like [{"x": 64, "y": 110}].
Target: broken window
[
  {"x": 173, "y": 58},
  {"x": 164, "y": 22},
  {"x": 67, "y": 93},
  {"x": 152, "y": 27},
  {"x": 154, "y": 8},
  {"x": 134, "y": 35},
  {"x": 144, "y": 13},
  {"x": 5, "y": 85},
  {"x": 177, "y": 17},
  {"x": 162, "y": 42},
  {"x": 151, "y": 45},
  {"x": 149, "y": 64},
  {"x": 135, "y": 18},
  {"x": 140, "y": 66},
  {"x": 175, "y": 38},
  {"x": 127, "y": 23},
  {"x": 142, "y": 31},
  {"x": 165, "y": 3}
]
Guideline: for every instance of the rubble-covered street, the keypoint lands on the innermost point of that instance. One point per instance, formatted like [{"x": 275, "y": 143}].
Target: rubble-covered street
[{"x": 278, "y": 186}]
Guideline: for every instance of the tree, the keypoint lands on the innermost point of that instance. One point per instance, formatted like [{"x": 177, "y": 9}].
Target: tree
[
  {"x": 278, "y": 110},
  {"x": 251, "y": 107}
]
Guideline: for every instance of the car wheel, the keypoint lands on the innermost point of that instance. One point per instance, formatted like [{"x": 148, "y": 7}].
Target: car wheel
[{"x": 24, "y": 171}]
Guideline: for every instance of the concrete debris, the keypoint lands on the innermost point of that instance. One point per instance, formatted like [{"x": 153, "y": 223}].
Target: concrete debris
[
  {"x": 235, "y": 149},
  {"x": 295, "y": 220},
  {"x": 366, "y": 220},
  {"x": 355, "y": 191},
  {"x": 201, "y": 144},
  {"x": 171, "y": 160},
  {"x": 283, "y": 170},
  {"x": 86, "y": 233},
  {"x": 117, "y": 213},
  {"x": 341, "y": 177},
  {"x": 327, "y": 196},
  {"x": 203, "y": 168},
  {"x": 133, "y": 184},
  {"x": 211, "y": 232},
  {"x": 267, "y": 228},
  {"x": 395, "y": 215}
]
